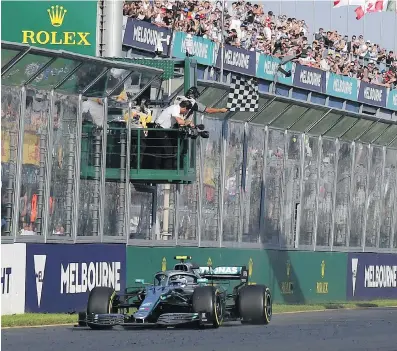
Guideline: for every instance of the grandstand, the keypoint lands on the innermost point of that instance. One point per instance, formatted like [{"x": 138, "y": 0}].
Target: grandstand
[{"x": 249, "y": 26}]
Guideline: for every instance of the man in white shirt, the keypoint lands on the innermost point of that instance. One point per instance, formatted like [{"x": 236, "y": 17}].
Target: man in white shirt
[
  {"x": 192, "y": 95},
  {"x": 173, "y": 114},
  {"x": 165, "y": 142}
]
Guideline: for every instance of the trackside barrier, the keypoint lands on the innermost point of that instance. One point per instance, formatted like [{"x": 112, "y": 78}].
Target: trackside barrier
[
  {"x": 371, "y": 276},
  {"x": 59, "y": 277},
  {"x": 292, "y": 276},
  {"x": 13, "y": 268}
]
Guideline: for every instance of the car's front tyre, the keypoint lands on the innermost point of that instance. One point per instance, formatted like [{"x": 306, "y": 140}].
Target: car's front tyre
[
  {"x": 100, "y": 301},
  {"x": 207, "y": 300},
  {"x": 255, "y": 304}
]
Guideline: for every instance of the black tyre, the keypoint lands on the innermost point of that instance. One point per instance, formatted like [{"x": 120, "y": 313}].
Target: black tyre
[
  {"x": 82, "y": 318},
  {"x": 208, "y": 300},
  {"x": 255, "y": 304},
  {"x": 100, "y": 302}
]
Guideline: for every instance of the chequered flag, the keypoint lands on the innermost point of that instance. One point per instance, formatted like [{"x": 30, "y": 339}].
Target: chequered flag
[{"x": 243, "y": 94}]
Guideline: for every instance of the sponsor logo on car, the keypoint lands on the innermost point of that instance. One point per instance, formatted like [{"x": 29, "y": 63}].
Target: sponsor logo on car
[{"x": 220, "y": 270}]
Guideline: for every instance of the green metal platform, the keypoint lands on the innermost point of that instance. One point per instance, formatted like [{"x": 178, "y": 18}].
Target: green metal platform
[{"x": 146, "y": 163}]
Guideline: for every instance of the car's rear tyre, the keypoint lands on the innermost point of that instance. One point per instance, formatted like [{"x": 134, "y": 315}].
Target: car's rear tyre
[
  {"x": 255, "y": 304},
  {"x": 208, "y": 300},
  {"x": 100, "y": 301}
]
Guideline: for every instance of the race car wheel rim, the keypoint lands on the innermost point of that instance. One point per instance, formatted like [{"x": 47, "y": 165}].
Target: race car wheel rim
[
  {"x": 268, "y": 305},
  {"x": 218, "y": 309}
]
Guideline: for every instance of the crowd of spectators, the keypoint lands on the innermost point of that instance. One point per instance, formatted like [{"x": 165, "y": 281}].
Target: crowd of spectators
[{"x": 252, "y": 27}]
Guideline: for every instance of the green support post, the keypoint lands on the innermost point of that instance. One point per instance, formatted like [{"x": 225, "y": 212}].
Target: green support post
[{"x": 190, "y": 80}]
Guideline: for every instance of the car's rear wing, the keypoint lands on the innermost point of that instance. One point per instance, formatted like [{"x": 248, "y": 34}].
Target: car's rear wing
[{"x": 225, "y": 273}]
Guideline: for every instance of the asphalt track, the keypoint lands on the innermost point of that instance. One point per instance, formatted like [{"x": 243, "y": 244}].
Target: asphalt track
[{"x": 347, "y": 330}]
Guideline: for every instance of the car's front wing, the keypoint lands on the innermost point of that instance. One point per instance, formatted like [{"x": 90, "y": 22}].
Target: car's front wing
[
  {"x": 113, "y": 319},
  {"x": 177, "y": 318}
]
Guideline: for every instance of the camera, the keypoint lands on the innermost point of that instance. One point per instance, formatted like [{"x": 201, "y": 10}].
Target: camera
[{"x": 194, "y": 132}]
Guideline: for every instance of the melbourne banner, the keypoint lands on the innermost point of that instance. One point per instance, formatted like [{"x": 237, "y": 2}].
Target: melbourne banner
[
  {"x": 342, "y": 87},
  {"x": 145, "y": 36},
  {"x": 13, "y": 264},
  {"x": 203, "y": 49},
  {"x": 374, "y": 95},
  {"x": 59, "y": 277},
  {"x": 237, "y": 60},
  {"x": 267, "y": 68},
  {"x": 392, "y": 100},
  {"x": 310, "y": 78},
  {"x": 57, "y": 25},
  {"x": 371, "y": 276}
]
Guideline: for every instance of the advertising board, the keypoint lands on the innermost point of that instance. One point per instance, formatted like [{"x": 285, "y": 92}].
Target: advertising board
[
  {"x": 202, "y": 48},
  {"x": 342, "y": 87},
  {"x": 268, "y": 66},
  {"x": 292, "y": 276},
  {"x": 145, "y": 36},
  {"x": 373, "y": 95},
  {"x": 237, "y": 60},
  {"x": 371, "y": 276},
  {"x": 57, "y": 25},
  {"x": 13, "y": 268},
  {"x": 310, "y": 78},
  {"x": 392, "y": 100},
  {"x": 59, "y": 277}
]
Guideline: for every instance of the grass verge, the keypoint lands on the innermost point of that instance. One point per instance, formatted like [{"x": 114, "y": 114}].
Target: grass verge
[
  {"x": 39, "y": 319},
  {"x": 280, "y": 308}
]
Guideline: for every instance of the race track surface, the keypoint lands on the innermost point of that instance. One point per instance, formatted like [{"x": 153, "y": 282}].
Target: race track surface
[{"x": 373, "y": 329}]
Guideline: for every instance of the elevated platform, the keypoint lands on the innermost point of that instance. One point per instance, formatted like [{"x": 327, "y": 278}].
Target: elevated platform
[
  {"x": 107, "y": 84},
  {"x": 135, "y": 154}
]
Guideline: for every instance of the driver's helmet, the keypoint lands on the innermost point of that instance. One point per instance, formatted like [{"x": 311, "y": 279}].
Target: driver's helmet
[
  {"x": 192, "y": 93},
  {"x": 178, "y": 280}
]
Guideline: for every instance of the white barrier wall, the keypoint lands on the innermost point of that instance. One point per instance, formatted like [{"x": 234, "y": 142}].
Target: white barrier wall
[{"x": 13, "y": 271}]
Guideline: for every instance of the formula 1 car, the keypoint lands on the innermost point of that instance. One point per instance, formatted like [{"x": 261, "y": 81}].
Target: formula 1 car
[{"x": 188, "y": 294}]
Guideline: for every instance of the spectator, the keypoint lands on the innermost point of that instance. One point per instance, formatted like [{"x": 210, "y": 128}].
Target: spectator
[{"x": 250, "y": 27}]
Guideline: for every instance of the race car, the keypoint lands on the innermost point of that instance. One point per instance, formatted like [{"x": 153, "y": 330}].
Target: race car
[{"x": 187, "y": 294}]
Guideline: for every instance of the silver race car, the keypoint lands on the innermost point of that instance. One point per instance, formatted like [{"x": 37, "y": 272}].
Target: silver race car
[{"x": 187, "y": 294}]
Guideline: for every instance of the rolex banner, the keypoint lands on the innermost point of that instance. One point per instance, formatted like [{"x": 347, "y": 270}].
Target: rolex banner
[{"x": 57, "y": 25}]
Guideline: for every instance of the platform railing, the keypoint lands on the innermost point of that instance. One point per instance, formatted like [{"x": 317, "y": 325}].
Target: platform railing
[{"x": 156, "y": 155}]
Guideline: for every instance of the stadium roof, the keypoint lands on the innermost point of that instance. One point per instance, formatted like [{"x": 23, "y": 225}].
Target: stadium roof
[
  {"x": 297, "y": 116},
  {"x": 69, "y": 73}
]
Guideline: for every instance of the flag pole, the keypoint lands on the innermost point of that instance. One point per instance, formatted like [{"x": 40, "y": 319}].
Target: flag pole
[
  {"x": 364, "y": 8},
  {"x": 381, "y": 29},
  {"x": 347, "y": 19},
  {"x": 222, "y": 39},
  {"x": 395, "y": 34},
  {"x": 279, "y": 8}
]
